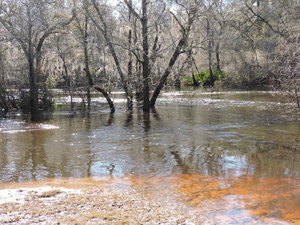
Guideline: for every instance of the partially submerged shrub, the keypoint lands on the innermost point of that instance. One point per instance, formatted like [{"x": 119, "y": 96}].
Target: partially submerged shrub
[
  {"x": 8, "y": 101},
  {"x": 46, "y": 102},
  {"x": 202, "y": 78}
]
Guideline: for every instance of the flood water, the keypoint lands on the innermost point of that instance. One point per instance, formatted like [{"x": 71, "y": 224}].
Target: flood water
[{"x": 234, "y": 155}]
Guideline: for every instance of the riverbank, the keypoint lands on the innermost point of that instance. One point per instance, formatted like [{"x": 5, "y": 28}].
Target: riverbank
[
  {"x": 184, "y": 199},
  {"x": 104, "y": 204}
]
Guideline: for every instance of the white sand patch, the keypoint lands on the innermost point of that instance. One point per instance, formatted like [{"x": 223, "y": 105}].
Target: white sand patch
[{"x": 21, "y": 194}]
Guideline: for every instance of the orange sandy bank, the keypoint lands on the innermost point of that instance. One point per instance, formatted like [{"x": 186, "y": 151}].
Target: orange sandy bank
[{"x": 178, "y": 199}]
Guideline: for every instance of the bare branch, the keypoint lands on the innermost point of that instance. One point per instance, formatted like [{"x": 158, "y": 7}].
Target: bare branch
[
  {"x": 132, "y": 10},
  {"x": 265, "y": 21},
  {"x": 177, "y": 20}
]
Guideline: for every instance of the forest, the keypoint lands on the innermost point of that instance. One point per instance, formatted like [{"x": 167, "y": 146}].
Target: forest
[
  {"x": 143, "y": 47},
  {"x": 150, "y": 112}
]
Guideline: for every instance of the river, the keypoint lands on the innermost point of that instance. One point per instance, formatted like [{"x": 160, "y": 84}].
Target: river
[{"x": 235, "y": 155}]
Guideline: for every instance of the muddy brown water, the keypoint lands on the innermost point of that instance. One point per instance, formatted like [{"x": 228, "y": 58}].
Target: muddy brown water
[{"x": 234, "y": 155}]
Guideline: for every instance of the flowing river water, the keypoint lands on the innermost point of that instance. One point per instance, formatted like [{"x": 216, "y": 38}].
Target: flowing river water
[{"x": 234, "y": 155}]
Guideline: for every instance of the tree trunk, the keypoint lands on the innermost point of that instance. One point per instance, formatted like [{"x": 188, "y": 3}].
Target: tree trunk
[
  {"x": 139, "y": 85},
  {"x": 34, "y": 100},
  {"x": 209, "y": 49},
  {"x": 89, "y": 98},
  {"x": 195, "y": 82},
  {"x": 296, "y": 92},
  {"x": 88, "y": 72},
  {"x": 146, "y": 70},
  {"x": 129, "y": 66},
  {"x": 86, "y": 63},
  {"x": 107, "y": 38},
  {"x": 69, "y": 81},
  {"x": 108, "y": 99},
  {"x": 218, "y": 56},
  {"x": 38, "y": 65},
  {"x": 172, "y": 61},
  {"x": 182, "y": 42}
]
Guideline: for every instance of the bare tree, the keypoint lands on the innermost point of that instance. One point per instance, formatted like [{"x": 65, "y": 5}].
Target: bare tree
[
  {"x": 30, "y": 23},
  {"x": 63, "y": 50},
  {"x": 102, "y": 25},
  {"x": 83, "y": 27},
  {"x": 147, "y": 67},
  {"x": 287, "y": 67},
  {"x": 191, "y": 13}
]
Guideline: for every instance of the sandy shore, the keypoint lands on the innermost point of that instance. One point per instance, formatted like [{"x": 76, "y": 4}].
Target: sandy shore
[
  {"x": 104, "y": 204},
  {"x": 145, "y": 200}
]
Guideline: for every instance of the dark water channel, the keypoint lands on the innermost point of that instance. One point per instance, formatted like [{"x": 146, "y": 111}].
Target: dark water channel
[{"x": 236, "y": 153}]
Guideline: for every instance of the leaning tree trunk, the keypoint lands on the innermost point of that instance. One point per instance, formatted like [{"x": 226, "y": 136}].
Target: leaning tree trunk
[
  {"x": 91, "y": 84},
  {"x": 182, "y": 42},
  {"x": 172, "y": 61},
  {"x": 105, "y": 31},
  {"x": 108, "y": 99},
  {"x": 195, "y": 82},
  {"x": 89, "y": 75}
]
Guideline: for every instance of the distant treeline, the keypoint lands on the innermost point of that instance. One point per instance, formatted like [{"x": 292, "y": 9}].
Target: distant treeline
[{"x": 141, "y": 46}]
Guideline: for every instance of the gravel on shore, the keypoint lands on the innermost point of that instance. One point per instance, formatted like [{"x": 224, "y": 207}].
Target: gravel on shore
[{"x": 104, "y": 204}]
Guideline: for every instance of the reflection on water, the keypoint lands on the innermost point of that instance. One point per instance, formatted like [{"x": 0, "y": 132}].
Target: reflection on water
[{"x": 234, "y": 143}]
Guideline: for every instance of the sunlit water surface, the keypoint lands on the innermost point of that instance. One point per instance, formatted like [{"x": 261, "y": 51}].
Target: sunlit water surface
[{"x": 234, "y": 155}]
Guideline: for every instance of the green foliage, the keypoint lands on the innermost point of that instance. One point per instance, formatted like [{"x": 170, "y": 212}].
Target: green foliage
[
  {"x": 187, "y": 81},
  {"x": 203, "y": 77}
]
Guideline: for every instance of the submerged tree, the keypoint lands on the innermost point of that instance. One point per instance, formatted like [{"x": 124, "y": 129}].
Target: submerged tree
[
  {"x": 184, "y": 24},
  {"x": 102, "y": 25},
  {"x": 30, "y": 23},
  {"x": 83, "y": 28}
]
